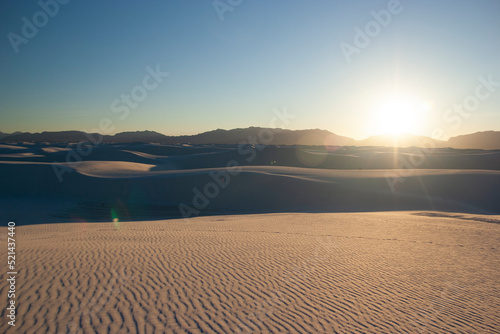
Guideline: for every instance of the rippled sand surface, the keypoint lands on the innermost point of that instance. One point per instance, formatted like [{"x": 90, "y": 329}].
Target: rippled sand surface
[{"x": 331, "y": 272}]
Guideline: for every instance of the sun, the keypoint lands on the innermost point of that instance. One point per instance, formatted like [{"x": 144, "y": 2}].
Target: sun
[{"x": 400, "y": 114}]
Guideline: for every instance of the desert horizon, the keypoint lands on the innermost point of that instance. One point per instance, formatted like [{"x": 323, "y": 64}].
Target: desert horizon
[
  {"x": 95, "y": 182},
  {"x": 235, "y": 166},
  {"x": 486, "y": 140}
]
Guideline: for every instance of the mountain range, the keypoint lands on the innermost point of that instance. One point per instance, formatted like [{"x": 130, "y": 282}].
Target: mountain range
[{"x": 255, "y": 135}]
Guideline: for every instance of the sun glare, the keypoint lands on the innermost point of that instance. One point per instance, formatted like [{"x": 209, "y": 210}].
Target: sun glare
[{"x": 400, "y": 115}]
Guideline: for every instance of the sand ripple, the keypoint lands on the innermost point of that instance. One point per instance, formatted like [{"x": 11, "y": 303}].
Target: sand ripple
[{"x": 307, "y": 273}]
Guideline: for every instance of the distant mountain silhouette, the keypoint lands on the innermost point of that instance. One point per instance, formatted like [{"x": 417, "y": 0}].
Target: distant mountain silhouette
[
  {"x": 137, "y": 136},
  {"x": 252, "y": 135},
  {"x": 57, "y": 136},
  {"x": 401, "y": 140},
  {"x": 257, "y": 135},
  {"x": 486, "y": 140},
  {"x": 3, "y": 134}
]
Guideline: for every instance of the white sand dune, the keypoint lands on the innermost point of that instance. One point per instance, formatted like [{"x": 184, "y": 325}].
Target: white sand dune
[
  {"x": 145, "y": 188},
  {"x": 51, "y": 149},
  {"x": 111, "y": 169},
  {"x": 20, "y": 155},
  {"x": 254, "y": 189},
  {"x": 283, "y": 247},
  {"x": 4, "y": 147},
  {"x": 421, "y": 272}
]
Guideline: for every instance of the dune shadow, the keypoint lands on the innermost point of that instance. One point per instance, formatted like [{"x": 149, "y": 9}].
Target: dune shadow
[{"x": 458, "y": 216}]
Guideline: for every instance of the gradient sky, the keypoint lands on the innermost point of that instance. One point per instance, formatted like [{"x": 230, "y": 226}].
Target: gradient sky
[{"x": 230, "y": 73}]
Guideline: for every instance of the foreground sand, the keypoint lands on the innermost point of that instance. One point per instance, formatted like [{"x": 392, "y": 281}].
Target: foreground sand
[{"x": 342, "y": 272}]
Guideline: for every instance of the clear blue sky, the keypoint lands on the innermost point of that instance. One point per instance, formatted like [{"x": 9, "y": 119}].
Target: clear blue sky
[{"x": 233, "y": 72}]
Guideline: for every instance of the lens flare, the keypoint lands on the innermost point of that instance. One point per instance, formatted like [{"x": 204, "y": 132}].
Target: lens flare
[{"x": 116, "y": 220}]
